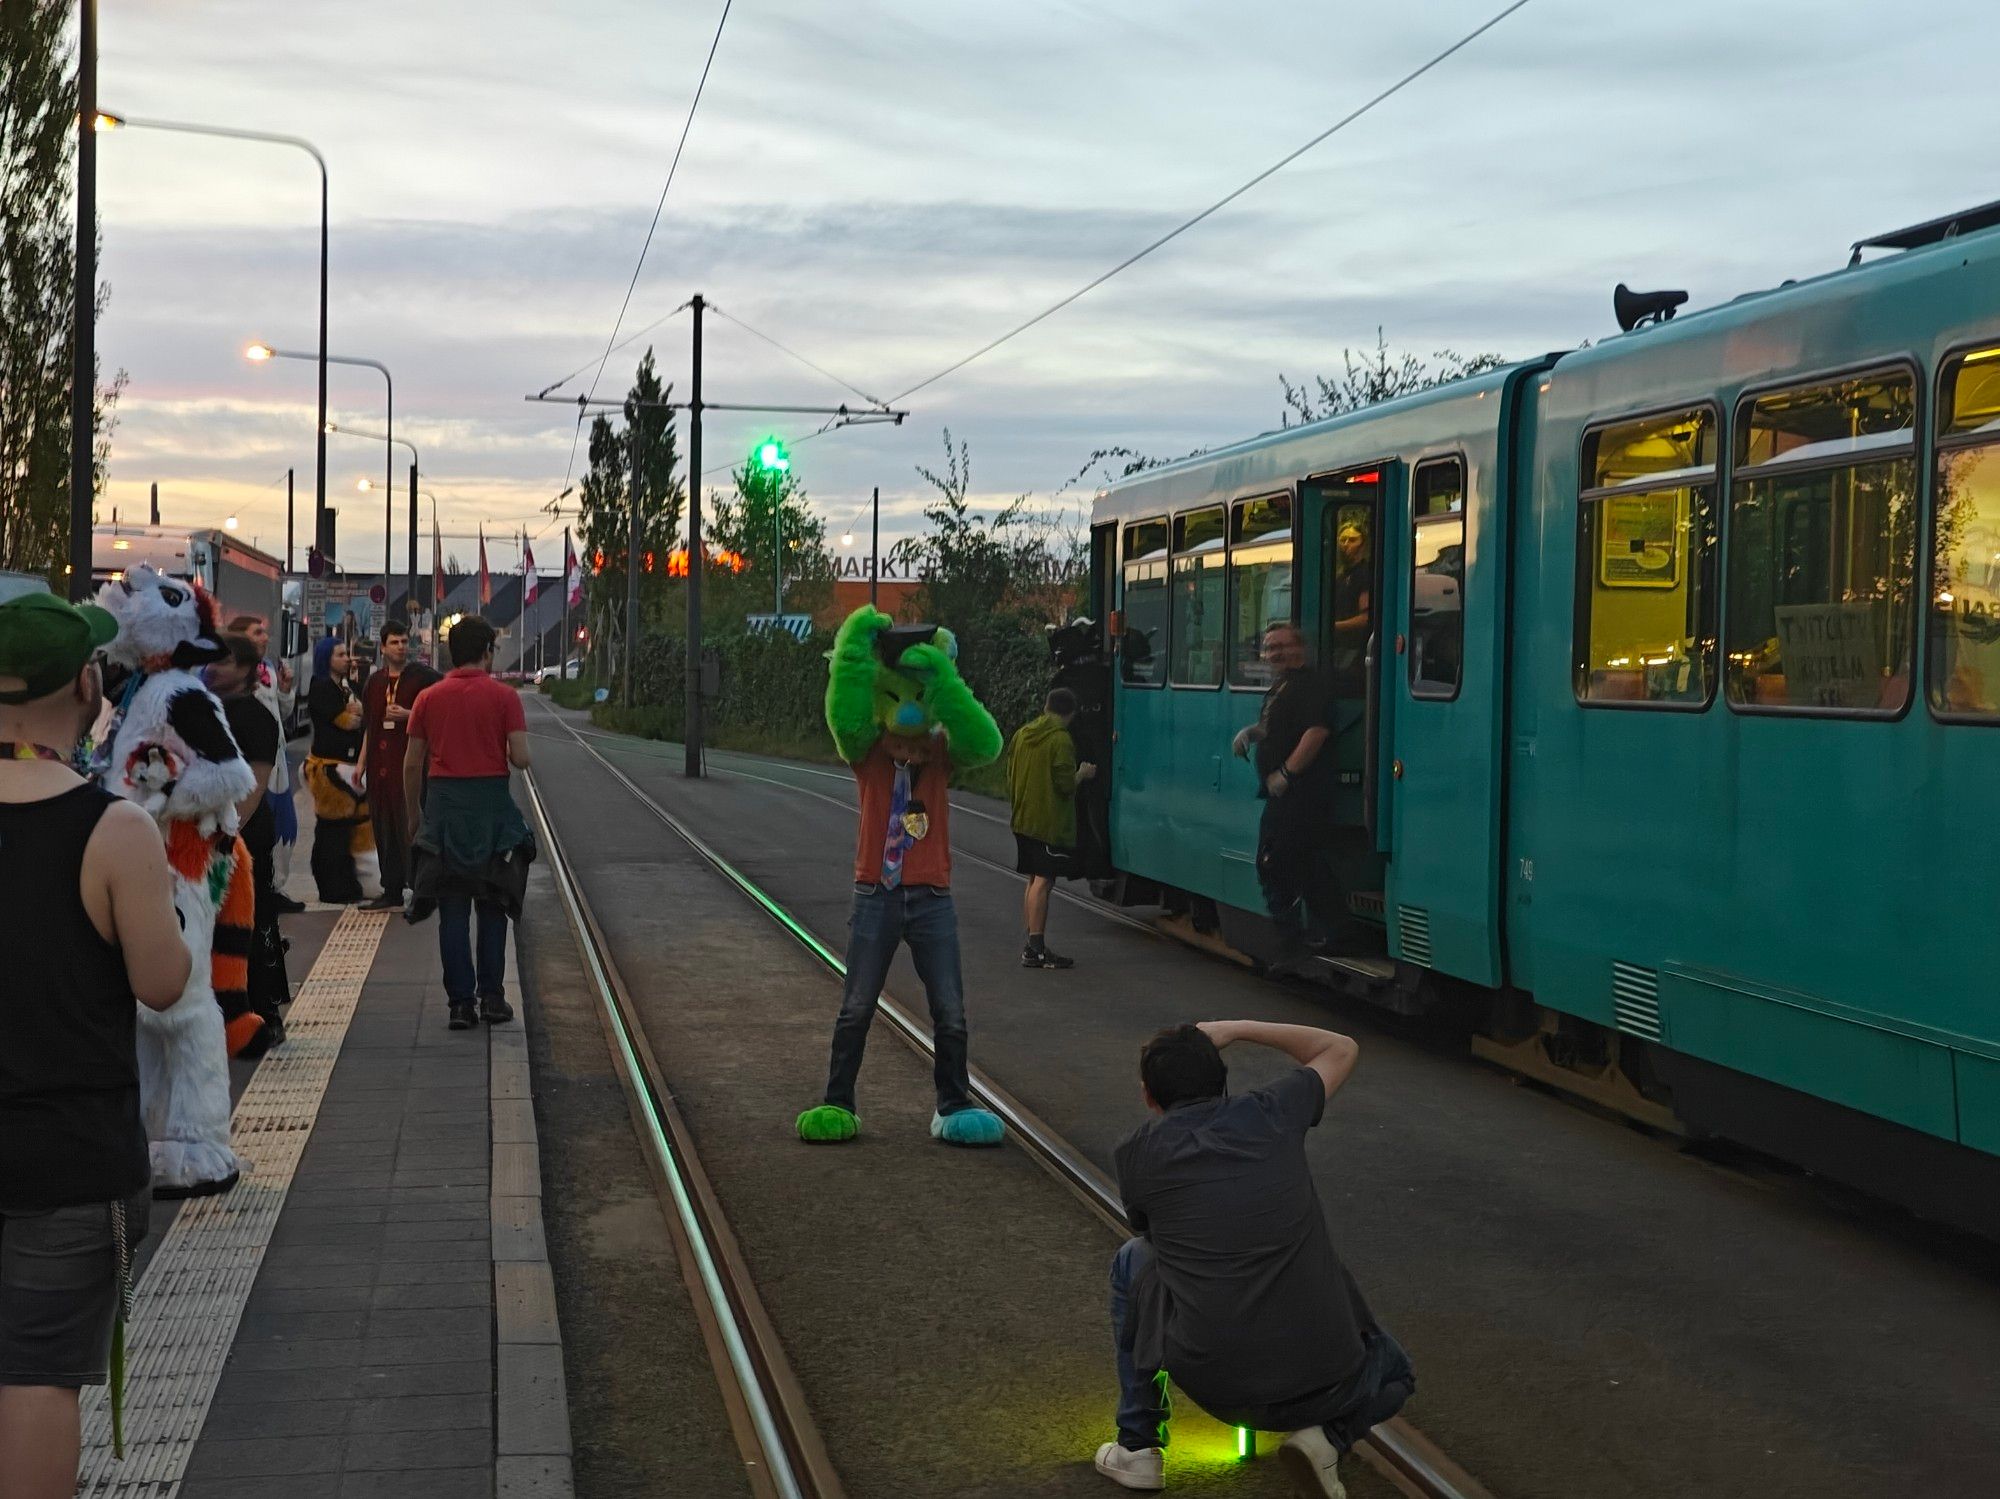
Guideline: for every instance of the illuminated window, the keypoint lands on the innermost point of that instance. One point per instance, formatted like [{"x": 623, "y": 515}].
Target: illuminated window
[
  {"x": 1437, "y": 578},
  {"x": 1142, "y": 650},
  {"x": 1260, "y": 582},
  {"x": 1200, "y": 630},
  {"x": 1822, "y": 541},
  {"x": 1965, "y": 544},
  {"x": 1645, "y": 576}
]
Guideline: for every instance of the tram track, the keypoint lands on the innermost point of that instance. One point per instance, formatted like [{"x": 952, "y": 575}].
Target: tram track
[{"x": 784, "y": 1454}]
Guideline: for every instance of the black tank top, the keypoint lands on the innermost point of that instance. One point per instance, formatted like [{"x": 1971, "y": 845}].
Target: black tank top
[{"x": 69, "y": 1079}]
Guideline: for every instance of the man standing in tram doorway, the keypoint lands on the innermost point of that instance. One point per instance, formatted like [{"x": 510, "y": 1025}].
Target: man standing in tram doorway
[{"x": 1295, "y": 775}]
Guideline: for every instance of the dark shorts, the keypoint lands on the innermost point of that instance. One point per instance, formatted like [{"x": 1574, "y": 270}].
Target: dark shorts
[
  {"x": 1032, "y": 856},
  {"x": 59, "y": 1292}
]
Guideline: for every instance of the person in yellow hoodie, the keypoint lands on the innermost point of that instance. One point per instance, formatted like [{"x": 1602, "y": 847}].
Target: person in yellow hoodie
[{"x": 1042, "y": 776}]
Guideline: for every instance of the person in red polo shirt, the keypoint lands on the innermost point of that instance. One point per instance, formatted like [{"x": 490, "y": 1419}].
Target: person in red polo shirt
[{"x": 472, "y": 850}]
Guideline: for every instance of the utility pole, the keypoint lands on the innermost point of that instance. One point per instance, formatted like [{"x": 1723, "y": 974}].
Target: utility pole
[
  {"x": 692, "y": 700},
  {"x": 632, "y": 554},
  {"x": 410, "y": 603},
  {"x": 875, "y": 552},
  {"x": 83, "y": 392},
  {"x": 289, "y": 519},
  {"x": 156, "y": 504},
  {"x": 562, "y": 655}
]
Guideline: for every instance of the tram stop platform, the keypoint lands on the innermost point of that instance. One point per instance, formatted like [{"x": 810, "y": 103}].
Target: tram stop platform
[{"x": 369, "y": 1313}]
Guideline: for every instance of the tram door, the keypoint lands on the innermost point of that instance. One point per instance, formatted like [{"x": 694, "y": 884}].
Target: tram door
[{"x": 1341, "y": 547}]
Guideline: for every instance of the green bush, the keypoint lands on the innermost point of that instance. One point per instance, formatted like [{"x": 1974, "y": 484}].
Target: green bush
[{"x": 570, "y": 693}]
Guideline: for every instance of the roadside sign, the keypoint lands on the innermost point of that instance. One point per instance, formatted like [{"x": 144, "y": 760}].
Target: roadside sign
[
  {"x": 798, "y": 626},
  {"x": 378, "y": 595},
  {"x": 315, "y": 598}
]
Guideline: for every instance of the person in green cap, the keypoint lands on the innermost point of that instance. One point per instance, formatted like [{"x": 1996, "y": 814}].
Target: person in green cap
[{"x": 87, "y": 925}]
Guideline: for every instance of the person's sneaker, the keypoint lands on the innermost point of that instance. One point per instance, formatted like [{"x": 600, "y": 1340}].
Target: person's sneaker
[
  {"x": 464, "y": 1017},
  {"x": 1145, "y": 1469},
  {"x": 1042, "y": 957},
  {"x": 284, "y": 905},
  {"x": 495, "y": 1011},
  {"x": 383, "y": 902},
  {"x": 1310, "y": 1460}
]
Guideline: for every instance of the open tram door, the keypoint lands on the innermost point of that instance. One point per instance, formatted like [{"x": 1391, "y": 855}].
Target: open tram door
[{"x": 1340, "y": 543}]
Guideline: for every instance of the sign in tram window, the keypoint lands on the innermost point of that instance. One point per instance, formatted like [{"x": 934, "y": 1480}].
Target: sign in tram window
[
  {"x": 1824, "y": 522},
  {"x": 1645, "y": 581},
  {"x": 1142, "y": 648},
  {"x": 1964, "y": 676},
  {"x": 1260, "y": 582},
  {"x": 1437, "y": 578},
  {"x": 1199, "y": 598}
]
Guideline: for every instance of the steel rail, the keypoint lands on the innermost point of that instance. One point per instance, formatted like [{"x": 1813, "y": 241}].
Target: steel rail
[
  {"x": 1397, "y": 1450},
  {"x": 784, "y": 1455}
]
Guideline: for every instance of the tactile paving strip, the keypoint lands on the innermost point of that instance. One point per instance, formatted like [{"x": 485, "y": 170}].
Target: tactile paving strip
[{"x": 185, "y": 1313}]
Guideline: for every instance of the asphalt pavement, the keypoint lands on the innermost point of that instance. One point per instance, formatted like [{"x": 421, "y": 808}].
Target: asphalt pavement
[{"x": 1591, "y": 1310}]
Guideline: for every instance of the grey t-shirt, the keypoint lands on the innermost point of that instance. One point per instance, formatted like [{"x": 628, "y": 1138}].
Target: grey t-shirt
[{"x": 1252, "y": 1307}]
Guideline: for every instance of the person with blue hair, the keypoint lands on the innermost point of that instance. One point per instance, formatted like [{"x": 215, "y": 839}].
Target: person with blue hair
[{"x": 341, "y": 832}]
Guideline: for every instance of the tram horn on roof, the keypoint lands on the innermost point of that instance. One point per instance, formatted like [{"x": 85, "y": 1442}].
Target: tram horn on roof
[{"x": 1634, "y": 308}]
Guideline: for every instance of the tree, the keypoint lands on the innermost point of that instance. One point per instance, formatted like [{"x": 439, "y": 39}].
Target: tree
[
  {"x": 37, "y": 281},
  {"x": 1376, "y": 377},
  {"x": 605, "y": 505}
]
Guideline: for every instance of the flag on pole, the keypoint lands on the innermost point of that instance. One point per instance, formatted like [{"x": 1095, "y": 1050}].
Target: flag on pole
[
  {"x": 572, "y": 574},
  {"x": 485, "y": 577},
  {"x": 533, "y": 585}
]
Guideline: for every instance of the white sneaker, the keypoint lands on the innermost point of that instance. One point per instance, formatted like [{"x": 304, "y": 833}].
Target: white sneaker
[
  {"x": 1309, "y": 1460},
  {"x": 1145, "y": 1469}
]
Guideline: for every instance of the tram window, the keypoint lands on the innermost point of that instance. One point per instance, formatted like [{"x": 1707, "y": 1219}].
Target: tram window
[
  {"x": 1645, "y": 577},
  {"x": 1437, "y": 578},
  {"x": 1200, "y": 610},
  {"x": 1823, "y": 536},
  {"x": 1142, "y": 649},
  {"x": 1964, "y": 676},
  {"x": 1260, "y": 582}
]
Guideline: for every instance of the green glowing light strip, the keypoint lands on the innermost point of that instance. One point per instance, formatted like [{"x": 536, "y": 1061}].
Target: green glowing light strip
[{"x": 778, "y": 1459}]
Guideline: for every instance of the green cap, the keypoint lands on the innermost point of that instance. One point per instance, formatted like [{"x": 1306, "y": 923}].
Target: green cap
[{"x": 45, "y": 642}]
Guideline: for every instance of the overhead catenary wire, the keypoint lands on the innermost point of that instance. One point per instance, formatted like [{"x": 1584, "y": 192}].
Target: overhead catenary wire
[
  {"x": 686, "y": 125},
  {"x": 795, "y": 354},
  {"x": 1172, "y": 234},
  {"x": 624, "y": 343}
]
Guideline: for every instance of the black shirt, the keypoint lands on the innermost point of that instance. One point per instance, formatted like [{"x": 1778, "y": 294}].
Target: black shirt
[
  {"x": 1300, "y": 700},
  {"x": 256, "y": 734},
  {"x": 326, "y": 700},
  {"x": 69, "y": 1076},
  {"x": 1253, "y": 1306}
]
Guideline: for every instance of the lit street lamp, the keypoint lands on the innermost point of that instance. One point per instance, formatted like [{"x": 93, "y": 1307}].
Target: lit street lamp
[
  {"x": 263, "y": 353},
  {"x": 388, "y": 499},
  {"x": 102, "y": 120}
]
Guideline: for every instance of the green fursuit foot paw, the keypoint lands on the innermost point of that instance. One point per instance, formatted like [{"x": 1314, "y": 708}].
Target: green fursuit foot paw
[
  {"x": 968, "y": 1127},
  {"x": 828, "y": 1124}
]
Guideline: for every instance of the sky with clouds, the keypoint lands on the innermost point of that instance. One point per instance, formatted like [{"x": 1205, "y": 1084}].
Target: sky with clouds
[{"x": 886, "y": 186}]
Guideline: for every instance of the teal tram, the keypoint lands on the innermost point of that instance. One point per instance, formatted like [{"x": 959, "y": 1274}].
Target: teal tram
[{"x": 1670, "y": 742}]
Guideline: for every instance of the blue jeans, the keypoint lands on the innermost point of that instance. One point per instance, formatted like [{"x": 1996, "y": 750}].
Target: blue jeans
[
  {"x": 881, "y": 919},
  {"x": 463, "y": 983},
  {"x": 1347, "y": 1412}
]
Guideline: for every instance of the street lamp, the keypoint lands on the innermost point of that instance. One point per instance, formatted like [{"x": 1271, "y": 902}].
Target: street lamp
[
  {"x": 104, "y": 120},
  {"x": 415, "y": 463},
  {"x": 229, "y": 524},
  {"x": 263, "y": 353}
]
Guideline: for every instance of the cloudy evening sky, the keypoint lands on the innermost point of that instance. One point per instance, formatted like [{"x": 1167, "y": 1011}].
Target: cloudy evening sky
[{"x": 886, "y": 186}]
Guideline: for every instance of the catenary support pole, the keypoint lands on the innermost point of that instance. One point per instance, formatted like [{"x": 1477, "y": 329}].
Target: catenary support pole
[
  {"x": 83, "y": 392},
  {"x": 155, "y": 512},
  {"x": 562, "y": 652},
  {"x": 692, "y": 699},
  {"x": 291, "y": 523},
  {"x": 875, "y": 551}
]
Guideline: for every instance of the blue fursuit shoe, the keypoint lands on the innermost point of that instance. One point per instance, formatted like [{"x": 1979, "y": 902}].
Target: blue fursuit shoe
[{"x": 968, "y": 1127}]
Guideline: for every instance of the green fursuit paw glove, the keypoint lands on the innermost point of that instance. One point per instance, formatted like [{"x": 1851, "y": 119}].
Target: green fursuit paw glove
[{"x": 828, "y": 1124}]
